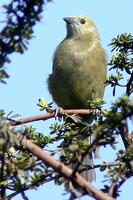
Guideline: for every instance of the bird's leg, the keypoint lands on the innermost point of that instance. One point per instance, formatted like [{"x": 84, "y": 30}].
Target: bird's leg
[
  {"x": 96, "y": 113},
  {"x": 59, "y": 112}
]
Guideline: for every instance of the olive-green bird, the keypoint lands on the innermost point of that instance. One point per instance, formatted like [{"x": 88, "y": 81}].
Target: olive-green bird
[{"x": 79, "y": 68}]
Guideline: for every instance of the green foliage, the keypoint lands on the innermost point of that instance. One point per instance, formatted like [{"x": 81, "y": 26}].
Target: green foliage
[
  {"x": 96, "y": 103},
  {"x": 122, "y": 63},
  {"x": 38, "y": 138},
  {"x": 20, "y": 169},
  {"x": 21, "y": 17},
  {"x": 122, "y": 110},
  {"x": 44, "y": 106}
]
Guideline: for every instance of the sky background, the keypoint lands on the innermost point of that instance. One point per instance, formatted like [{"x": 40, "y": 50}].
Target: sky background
[{"x": 29, "y": 72}]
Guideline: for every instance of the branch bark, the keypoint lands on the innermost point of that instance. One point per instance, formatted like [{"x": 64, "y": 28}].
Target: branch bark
[{"x": 46, "y": 116}]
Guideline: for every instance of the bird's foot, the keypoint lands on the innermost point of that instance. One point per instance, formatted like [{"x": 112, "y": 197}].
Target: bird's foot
[
  {"x": 96, "y": 113},
  {"x": 59, "y": 112}
]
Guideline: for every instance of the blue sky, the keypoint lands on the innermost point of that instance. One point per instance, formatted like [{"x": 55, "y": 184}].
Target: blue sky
[{"x": 29, "y": 72}]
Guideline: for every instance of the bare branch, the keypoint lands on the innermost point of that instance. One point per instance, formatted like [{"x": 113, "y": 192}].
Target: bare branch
[{"x": 47, "y": 116}]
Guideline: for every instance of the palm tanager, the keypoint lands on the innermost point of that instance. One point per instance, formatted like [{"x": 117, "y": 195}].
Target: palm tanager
[{"x": 79, "y": 69}]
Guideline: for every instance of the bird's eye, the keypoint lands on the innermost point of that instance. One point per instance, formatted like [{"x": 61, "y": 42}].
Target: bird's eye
[{"x": 82, "y": 21}]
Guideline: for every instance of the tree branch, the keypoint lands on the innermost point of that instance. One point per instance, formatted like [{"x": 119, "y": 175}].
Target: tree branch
[
  {"x": 64, "y": 170},
  {"x": 46, "y": 116}
]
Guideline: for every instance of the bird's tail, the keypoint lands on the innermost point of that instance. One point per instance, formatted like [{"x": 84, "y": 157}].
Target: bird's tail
[{"x": 88, "y": 174}]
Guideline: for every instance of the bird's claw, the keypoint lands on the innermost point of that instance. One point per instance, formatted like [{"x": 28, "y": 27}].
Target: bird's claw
[
  {"x": 96, "y": 112},
  {"x": 59, "y": 112}
]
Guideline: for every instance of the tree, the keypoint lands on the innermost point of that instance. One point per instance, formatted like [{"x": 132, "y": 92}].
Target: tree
[{"x": 24, "y": 163}]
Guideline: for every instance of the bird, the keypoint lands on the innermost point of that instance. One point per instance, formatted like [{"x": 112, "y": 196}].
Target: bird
[{"x": 79, "y": 69}]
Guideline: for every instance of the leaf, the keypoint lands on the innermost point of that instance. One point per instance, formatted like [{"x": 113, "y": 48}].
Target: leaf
[{"x": 73, "y": 147}]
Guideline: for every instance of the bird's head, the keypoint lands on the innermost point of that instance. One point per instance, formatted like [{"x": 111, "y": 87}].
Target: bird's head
[{"x": 80, "y": 26}]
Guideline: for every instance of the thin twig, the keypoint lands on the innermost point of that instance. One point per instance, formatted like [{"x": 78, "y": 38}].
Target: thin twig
[
  {"x": 52, "y": 178},
  {"x": 130, "y": 82}
]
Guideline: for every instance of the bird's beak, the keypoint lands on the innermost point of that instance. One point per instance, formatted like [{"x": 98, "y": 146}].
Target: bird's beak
[{"x": 69, "y": 20}]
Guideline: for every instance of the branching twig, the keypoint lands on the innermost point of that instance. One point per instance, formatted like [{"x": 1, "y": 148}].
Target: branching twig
[
  {"x": 100, "y": 129},
  {"x": 52, "y": 178},
  {"x": 64, "y": 170}
]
